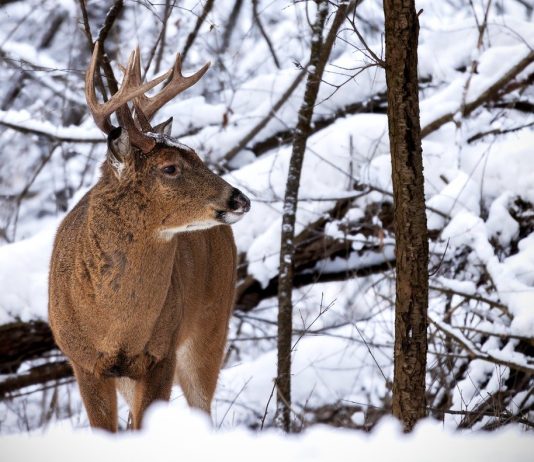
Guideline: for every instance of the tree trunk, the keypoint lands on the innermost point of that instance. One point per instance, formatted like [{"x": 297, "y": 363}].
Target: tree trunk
[
  {"x": 287, "y": 245},
  {"x": 320, "y": 51},
  {"x": 402, "y": 28}
]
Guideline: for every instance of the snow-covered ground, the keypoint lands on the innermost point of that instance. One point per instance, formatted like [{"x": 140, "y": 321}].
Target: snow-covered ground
[{"x": 171, "y": 436}]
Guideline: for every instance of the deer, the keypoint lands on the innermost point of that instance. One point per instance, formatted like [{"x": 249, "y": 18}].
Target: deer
[{"x": 143, "y": 268}]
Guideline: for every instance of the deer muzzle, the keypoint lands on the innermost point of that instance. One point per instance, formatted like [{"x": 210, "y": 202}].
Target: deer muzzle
[{"x": 238, "y": 204}]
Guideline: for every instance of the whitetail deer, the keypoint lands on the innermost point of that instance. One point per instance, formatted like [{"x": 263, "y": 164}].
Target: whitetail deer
[{"x": 142, "y": 280}]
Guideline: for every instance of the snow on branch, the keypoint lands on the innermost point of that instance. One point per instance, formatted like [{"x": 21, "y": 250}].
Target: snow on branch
[
  {"x": 27, "y": 56},
  {"x": 487, "y": 92},
  {"x": 492, "y": 356},
  {"x": 22, "y": 121}
]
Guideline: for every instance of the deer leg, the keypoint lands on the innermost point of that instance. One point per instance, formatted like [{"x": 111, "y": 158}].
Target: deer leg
[
  {"x": 197, "y": 370},
  {"x": 155, "y": 385},
  {"x": 99, "y": 397}
]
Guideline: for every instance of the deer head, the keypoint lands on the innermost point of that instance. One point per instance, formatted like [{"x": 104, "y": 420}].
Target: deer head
[{"x": 144, "y": 161}]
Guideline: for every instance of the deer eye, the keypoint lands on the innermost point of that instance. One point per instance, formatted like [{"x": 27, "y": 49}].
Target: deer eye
[{"x": 170, "y": 170}]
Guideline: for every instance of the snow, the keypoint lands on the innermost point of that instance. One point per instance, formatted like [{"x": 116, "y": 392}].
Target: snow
[
  {"x": 500, "y": 223},
  {"x": 505, "y": 165},
  {"x": 466, "y": 287},
  {"x": 24, "y": 276},
  {"x": 461, "y": 193},
  {"x": 172, "y": 435},
  {"x": 25, "y": 120},
  {"x": 468, "y": 229},
  {"x": 324, "y": 369}
]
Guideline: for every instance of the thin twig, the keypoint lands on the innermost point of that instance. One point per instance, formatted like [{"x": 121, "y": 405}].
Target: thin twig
[
  {"x": 89, "y": 36},
  {"x": 476, "y": 297},
  {"x": 498, "y": 131},
  {"x": 26, "y": 189},
  {"x": 193, "y": 34},
  {"x": 264, "y": 33},
  {"x": 263, "y": 122}
]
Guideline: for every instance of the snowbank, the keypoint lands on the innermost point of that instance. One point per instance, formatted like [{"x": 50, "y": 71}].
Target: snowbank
[{"x": 171, "y": 435}]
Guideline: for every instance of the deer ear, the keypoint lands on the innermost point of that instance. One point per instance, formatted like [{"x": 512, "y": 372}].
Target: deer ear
[
  {"x": 164, "y": 128},
  {"x": 119, "y": 148}
]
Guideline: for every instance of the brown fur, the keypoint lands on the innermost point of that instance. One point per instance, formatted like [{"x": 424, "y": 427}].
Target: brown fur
[{"x": 126, "y": 303}]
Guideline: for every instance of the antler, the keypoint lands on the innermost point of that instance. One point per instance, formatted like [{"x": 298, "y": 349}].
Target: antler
[
  {"x": 178, "y": 83},
  {"x": 130, "y": 88}
]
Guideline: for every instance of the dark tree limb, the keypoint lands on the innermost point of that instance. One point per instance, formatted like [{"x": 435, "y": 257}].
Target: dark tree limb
[
  {"x": 230, "y": 26},
  {"x": 253, "y": 294},
  {"x": 163, "y": 34},
  {"x": 375, "y": 105},
  {"x": 22, "y": 341},
  {"x": 111, "y": 17},
  {"x": 7, "y": 2},
  {"x": 103, "y": 60},
  {"x": 89, "y": 36},
  {"x": 37, "y": 375},
  {"x": 498, "y": 131}
]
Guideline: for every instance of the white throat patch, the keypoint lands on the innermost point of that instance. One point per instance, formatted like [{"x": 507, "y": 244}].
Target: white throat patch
[{"x": 166, "y": 234}]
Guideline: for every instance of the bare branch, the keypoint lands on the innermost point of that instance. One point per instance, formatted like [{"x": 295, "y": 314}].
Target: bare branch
[
  {"x": 263, "y": 122},
  {"x": 495, "y": 91},
  {"x": 474, "y": 352},
  {"x": 264, "y": 33},
  {"x": 36, "y": 375},
  {"x": 22, "y": 123},
  {"x": 193, "y": 34}
]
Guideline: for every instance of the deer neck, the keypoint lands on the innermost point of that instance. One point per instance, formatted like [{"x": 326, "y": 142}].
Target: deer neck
[{"x": 132, "y": 267}]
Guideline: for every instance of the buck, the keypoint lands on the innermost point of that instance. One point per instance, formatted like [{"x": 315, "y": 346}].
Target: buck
[{"x": 143, "y": 268}]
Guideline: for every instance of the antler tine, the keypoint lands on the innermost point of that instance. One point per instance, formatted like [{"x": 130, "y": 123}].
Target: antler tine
[
  {"x": 140, "y": 117},
  {"x": 128, "y": 90},
  {"x": 178, "y": 83}
]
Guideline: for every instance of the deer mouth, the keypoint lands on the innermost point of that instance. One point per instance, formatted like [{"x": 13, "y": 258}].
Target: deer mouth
[{"x": 229, "y": 217}]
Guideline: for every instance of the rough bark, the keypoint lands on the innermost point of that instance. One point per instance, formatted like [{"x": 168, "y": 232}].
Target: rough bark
[
  {"x": 320, "y": 51},
  {"x": 287, "y": 246},
  {"x": 401, "y": 34}
]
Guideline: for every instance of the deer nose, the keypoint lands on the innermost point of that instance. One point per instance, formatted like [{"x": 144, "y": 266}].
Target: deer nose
[{"x": 239, "y": 202}]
